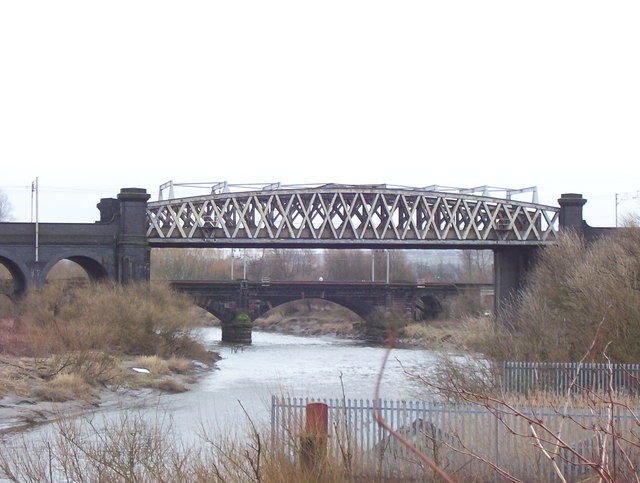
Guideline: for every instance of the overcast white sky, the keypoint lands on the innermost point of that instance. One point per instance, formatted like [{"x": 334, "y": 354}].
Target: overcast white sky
[{"x": 96, "y": 96}]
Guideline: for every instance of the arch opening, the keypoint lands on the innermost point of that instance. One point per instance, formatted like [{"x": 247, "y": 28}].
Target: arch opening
[
  {"x": 207, "y": 316},
  {"x": 12, "y": 280},
  {"x": 310, "y": 316},
  {"x": 428, "y": 307},
  {"x": 76, "y": 269}
]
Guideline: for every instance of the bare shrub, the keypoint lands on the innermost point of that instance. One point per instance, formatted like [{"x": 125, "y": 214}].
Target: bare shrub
[
  {"x": 569, "y": 291},
  {"x": 95, "y": 367},
  {"x": 169, "y": 384},
  {"x": 133, "y": 448},
  {"x": 585, "y": 434},
  {"x": 179, "y": 365},
  {"x": 7, "y": 306},
  {"x": 5, "y": 207},
  {"x": 156, "y": 365},
  {"x": 137, "y": 319},
  {"x": 464, "y": 374},
  {"x": 12, "y": 337}
]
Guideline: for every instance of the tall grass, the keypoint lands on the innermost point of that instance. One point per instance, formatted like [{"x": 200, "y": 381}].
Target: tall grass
[
  {"x": 577, "y": 293},
  {"x": 74, "y": 337},
  {"x": 136, "y": 319},
  {"x": 133, "y": 448}
]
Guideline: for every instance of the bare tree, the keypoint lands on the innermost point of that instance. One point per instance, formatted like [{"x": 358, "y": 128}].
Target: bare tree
[
  {"x": 5, "y": 207},
  {"x": 477, "y": 265},
  {"x": 189, "y": 264},
  {"x": 347, "y": 265},
  {"x": 286, "y": 264}
]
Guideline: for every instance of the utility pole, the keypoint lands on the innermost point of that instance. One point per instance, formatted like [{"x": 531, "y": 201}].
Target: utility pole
[
  {"x": 34, "y": 188},
  {"x": 244, "y": 261},
  {"x": 373, "y": 265},
  {"x": 387, "y": 250}
]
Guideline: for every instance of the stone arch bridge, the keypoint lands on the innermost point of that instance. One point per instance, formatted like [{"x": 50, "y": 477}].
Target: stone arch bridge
[
  {"x": 376, "y": 303},
  {"x": 367, "y": 299}
]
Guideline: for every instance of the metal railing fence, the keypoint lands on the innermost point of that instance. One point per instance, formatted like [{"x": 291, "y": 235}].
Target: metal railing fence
[
  {"x": 468, "y": 441},
  {"x": 574, "y": 377}
]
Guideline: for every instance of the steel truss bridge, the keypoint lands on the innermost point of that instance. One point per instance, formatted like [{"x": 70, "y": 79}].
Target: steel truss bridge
[{"x": 365, "y": 216}]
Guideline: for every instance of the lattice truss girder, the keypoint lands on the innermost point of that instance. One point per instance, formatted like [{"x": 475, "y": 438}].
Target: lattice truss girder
[{"x": 351, "y": 215}]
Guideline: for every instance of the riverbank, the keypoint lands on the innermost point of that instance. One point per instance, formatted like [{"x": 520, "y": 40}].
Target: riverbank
[
  {"x": 451, "y": 335},
  {"x": 69, "y": 347},
  {"x": 30, "y": 395}
]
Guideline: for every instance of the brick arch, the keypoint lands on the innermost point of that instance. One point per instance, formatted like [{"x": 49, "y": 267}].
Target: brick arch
[
  {"x": 224, "y": 315},
  {"x": 428, "y": 307},
  {"x": 18, "y": 273},
  {"x": 273, "y": 304},
  {"x": 94, "y": 269},
  {"x": 362, "y": 309}
]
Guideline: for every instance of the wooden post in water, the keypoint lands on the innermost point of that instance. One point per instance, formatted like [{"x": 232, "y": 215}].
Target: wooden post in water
[{"x": 313, "y": 441}]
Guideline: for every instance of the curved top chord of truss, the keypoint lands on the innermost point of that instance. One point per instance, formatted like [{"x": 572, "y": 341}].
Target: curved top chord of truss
[{"x": 372, "y": 215}]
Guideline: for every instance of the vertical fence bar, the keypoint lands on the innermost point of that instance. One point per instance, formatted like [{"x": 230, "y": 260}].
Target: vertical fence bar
[{"x": 369, "y": 462}]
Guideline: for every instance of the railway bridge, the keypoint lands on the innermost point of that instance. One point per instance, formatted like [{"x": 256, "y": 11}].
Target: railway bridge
[{"x": 117, "y": 246}]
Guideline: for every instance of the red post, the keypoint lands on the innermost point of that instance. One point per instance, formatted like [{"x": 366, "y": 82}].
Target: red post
[
  {"x": 313, "y": 441},
  {"x": 317, "y": 418}
]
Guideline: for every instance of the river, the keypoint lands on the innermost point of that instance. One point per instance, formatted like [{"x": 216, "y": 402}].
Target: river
[{"x": 277, "y": 364}]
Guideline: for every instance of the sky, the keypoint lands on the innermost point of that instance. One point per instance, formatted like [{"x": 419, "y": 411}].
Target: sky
[{"x": 98, "y": 96}]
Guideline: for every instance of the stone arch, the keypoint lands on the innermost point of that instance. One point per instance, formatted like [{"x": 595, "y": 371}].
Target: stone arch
[
  {"x": 225, "y": 312},
  {"x": 93, "y": 268},
  {"x": 265, "y": 306},
  {"x": 428, "y": 307},
  {"x": 18, "y": 275}
]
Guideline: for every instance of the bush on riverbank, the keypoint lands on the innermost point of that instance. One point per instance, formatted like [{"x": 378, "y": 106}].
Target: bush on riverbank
[
  {"x": 65, "y": 332},
  {"x": 578, "y": 299},
  {"x": 136, "y": 319},
  {"x": 580, "y": 302}
]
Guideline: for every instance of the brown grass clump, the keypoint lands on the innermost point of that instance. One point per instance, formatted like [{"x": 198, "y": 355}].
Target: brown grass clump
[
  {"x": 179, "y": 365},
  {"x": 156, "y": 365},
  {"x": 16, "y": 375},
  {"x": 160, "y": 371},
  {"x": 65, "y": 387},
  {"x": 169, "y": 384}
]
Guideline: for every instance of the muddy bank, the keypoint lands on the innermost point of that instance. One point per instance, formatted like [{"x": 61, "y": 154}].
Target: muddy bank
[
  {"x": 312, "y": 317},
  {"x": 450, "y": 335},
  {"x": 25, "y": 401}
]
